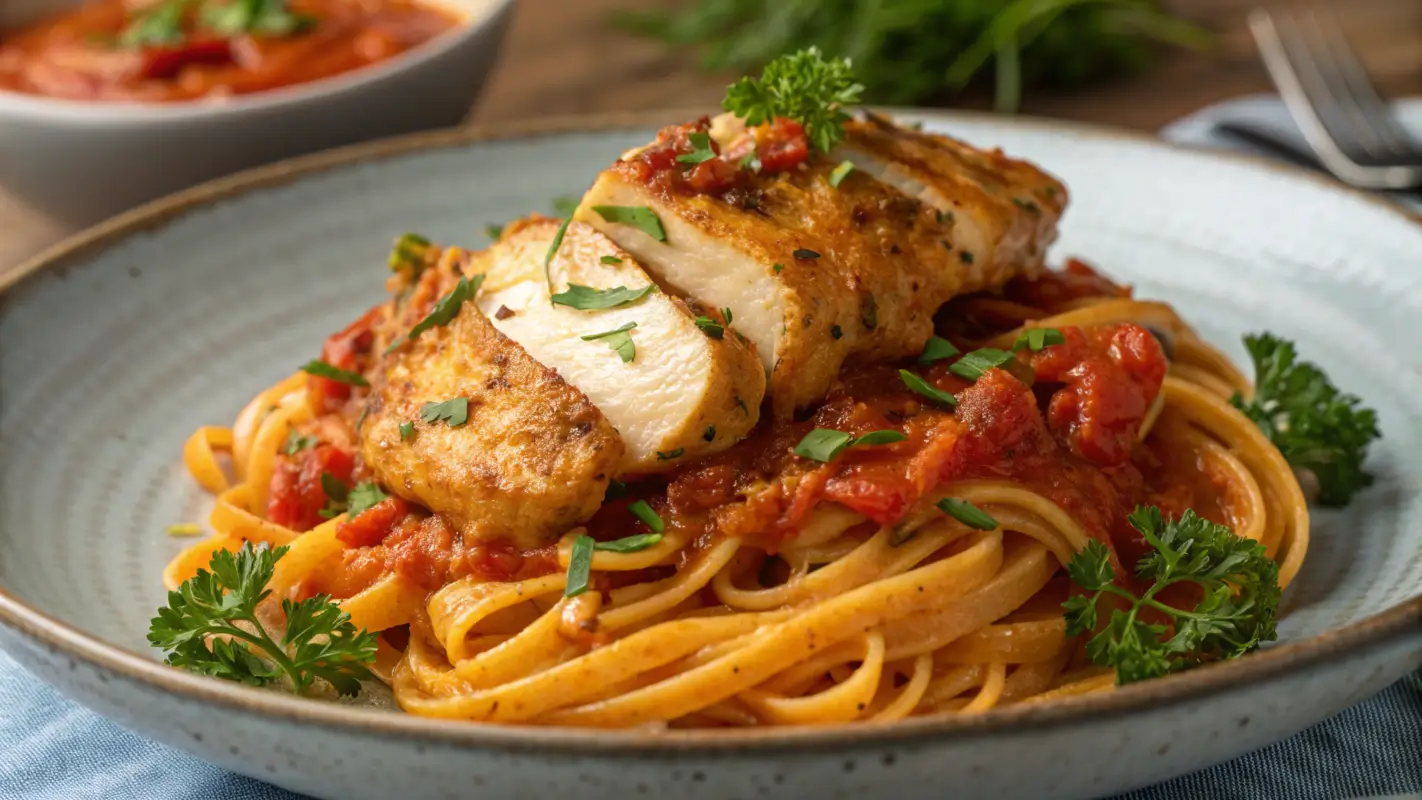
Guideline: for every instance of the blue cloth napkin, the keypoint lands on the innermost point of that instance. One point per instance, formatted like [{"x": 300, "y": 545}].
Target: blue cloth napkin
[{"x": 52, "y": 749}]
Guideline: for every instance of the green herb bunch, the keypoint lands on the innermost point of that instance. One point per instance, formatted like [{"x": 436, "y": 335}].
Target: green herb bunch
[{"x": 911, "y": 51}]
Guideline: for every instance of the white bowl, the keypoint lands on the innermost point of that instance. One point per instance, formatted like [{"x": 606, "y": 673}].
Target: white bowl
[{"x": 82, "y": 161}]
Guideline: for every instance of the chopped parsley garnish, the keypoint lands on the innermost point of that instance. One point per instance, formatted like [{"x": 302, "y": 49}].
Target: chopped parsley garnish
[
  {"x": 409, "y": 253},
  {"x": 727, "y": 315},
  {"x": 677, "y": 453},
  {"x": 324, "y": 370},
  {"x": 407, "y": 430},
  {"x": 258, "y": 17},
  {"x": 945, "y": 217},
  {"x": 641, "y": 510},
  {"x": 295, "y": 442},
  {"x": 711, "y": 327},
  {"x": 1237, "y": 582},
  {"x": 585, "y": 298},
  {"x": 837, "y": 332},
  {"x": 750, "y": 161},
  {"x": 923, "y": 387},
  {"x": 615, "y": 489},
  {"x": 553, "y": 250},
  {"x": 777, "y": 268},
  {"x": 494, "y": 231},
  {"x": 937, "y": 349},
  {"x": 804, "y": 86},
  {"x": 642, "y": 218},
  {"x": 200, "y": 630},
  {"x": 701, "y": 142},
  {"x": 972, "y": 365},
  {"x": 444, "y": 311},
  {"x": 336, "y": 493},
  {"x": 156, "y": 26},
  {"x": 579, "y": 566},
  {"x": 1315, "y": 426},
  {"x": 710, "y": 434},
  {"x": 360, "y": 420},
  {"x": 1035, "y": 339},
  {"x": 966, "y": 256},
  {"x": 629, "y": 544},
  {"x": 362, "y": 496},
  {"x": 805, "y": 254},
  {"x": 967, "y": 513},
  {"x": 184, "y": 529},
  {"x": 869, "y": 313},
  {"x": 454, "y": 411},
  {"x": 610, "y": 260},
  {"x": 840, "y": 173},
  {"x": 823, "y": 444},
  {"x": 619, "y": 339}
]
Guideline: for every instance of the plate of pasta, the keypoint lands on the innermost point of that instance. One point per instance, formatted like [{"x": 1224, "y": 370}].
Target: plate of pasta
[{"x": 795, "y": 448}]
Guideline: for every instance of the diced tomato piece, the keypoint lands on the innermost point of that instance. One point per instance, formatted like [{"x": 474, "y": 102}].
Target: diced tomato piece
[
  {"x": 166, "y": 62},
  {"x": 296, "y": 494},
  {"x": 343, "y": 351},
  {"x": 782, "y": 146},
  {"x": 373, "y": 524}
]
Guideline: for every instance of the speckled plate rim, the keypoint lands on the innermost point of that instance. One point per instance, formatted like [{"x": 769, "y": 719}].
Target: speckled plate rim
[{"x": 1381, "y": 630}]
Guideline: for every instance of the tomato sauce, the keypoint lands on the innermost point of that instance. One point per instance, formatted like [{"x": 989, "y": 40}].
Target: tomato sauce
[
  {"x": 92, "y": 52},
  {"x": 777, "y": 146}
]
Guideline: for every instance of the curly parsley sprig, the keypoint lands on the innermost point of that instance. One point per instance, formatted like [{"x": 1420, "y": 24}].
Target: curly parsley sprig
[
  {"x": 1316, "y": 427},
  {"x": 1240, "y": 602},
  {"x": 804, "y": 86},
  {"x": 210, "y": 626}
]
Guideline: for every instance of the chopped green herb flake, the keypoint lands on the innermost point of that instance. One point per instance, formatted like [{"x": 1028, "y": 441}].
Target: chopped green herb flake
[
  {"x": 701, "y": 149},
  {"x": 409, "y": 253},
  {"x": 710, "y": 327},
  {"x": 553, "y": 251},
  {"x": 967, "y": 513},
  {"x": 364, "y": 495},
  {"x": 615, "y": 489},
  {"x": 840, "y": 173},
  {"x": 710, "y": 434},
  {"x": 823, "y": 444},
  {"x": 579, "y": 566},
  {"x": 750, "y": 161},
  {"x": 923, "y": 387},
  {"x": 331, "y": 372},
  {"x": 877, "y": 438},
  {"x": 336, "y": 495},
  {"x": 564, "y": 205},
  {"x": 619, "y": 339},
  {"x": 629, "y": 544},
  {"x": 677, "y": 453},
  {"x": 642, "y": 218},
  {"x": 360, "y": 420},
  {"x": 937, "y": 349},
  {"x": 778, "y": 268},
  {"x": 641, "y": 510},
  {"x": 837, "y": 332},
  {"x": 972, "y": 365},
  {"x": 585, "y": 298},
  {"x": 869, "y": 313},
  {"x": 444, "y": 311},
  {"x": 407, "y": 430},
  {"x": 1035, "y": 339},
  {"x": 454, "y": 411},
  {"x": 295, "y": 442},
  {"x": 494, "y": 231},
  {"x": 805, "y": 254},
  {"x": 610, "y": 260},
  {"x": 966, "y": 256}
]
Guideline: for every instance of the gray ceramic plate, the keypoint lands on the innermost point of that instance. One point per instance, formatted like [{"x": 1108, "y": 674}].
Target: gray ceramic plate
[{"x": 119, "y": 343}]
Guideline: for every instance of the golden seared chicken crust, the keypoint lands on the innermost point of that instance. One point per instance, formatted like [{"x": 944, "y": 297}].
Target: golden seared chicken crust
[
  {"x": 818, "y": 275},
  {"x": 533, "y": 458}
]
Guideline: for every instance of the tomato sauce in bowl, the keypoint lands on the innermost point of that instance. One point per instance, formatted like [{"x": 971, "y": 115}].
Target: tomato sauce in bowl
[{"x": 183, "y": 50}]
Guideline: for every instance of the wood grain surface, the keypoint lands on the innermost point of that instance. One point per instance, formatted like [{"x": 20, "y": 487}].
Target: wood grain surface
[{"x": 560, "y": 58}]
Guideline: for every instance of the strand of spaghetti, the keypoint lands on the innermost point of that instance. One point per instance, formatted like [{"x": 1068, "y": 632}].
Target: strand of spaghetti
[
  {"x": 1203, "y": 377},
  {"x": 1191, "y": 351},
  {"x": 913, "y": 691},
  {"x": 663, "y": 552},
  {"x": 195, "y": 557},
  {"x": 798, "y": 678},
  {"x": 251, "y": 416},
  {"x": 1148, "y": 313},
  {"x": 675, "y": 589},
  {"x": 1031, "y": 679},
  {"x": 842, "y": 703},
  {"x": 199, "y": 455},
  {"x": 271, "y": 433},
  {"x": 1013, "y": 642},
  {"x": 572, "y": 681},
  {"x": 1026, "y": 568},
  {"x": 233, "y": 516},
  {"x": 1008, "y": 493},
  {"x": 455, "y": 609},
  {"x": 1283, "y": 497},
  {"x": 304, "y": 556},
  {"x": 875, "y": 559},
  {"x": 393, "y": 600},
  {"x": 1098, "y": 683},
  {"x": 944, "y": 686},
  {"x": 796, "y": 639},
  {"x": 991, "y": 691},
  {"x": 1246, "y": 498}
]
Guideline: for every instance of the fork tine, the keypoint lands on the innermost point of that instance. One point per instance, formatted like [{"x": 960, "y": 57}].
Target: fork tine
[
  {"x": 1377, "y": 126},
  {"x": 1306, "y": 95}
]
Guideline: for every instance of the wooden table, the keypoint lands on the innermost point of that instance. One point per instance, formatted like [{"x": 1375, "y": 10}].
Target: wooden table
[{"x": 561, "y": 59}]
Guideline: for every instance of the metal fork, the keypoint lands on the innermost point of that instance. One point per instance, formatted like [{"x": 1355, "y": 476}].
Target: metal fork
[{"x": 1333, "y": 101}]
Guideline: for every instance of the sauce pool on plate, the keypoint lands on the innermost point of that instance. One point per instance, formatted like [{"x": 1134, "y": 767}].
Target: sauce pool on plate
[{"x": 176, "y": 50}]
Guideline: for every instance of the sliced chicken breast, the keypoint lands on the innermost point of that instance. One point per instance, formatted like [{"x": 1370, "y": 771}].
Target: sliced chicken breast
[
  {"x": 515, "y": 453},
  {"x": 819, "y": 268},
  {"x": 685, "y": 391}
]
